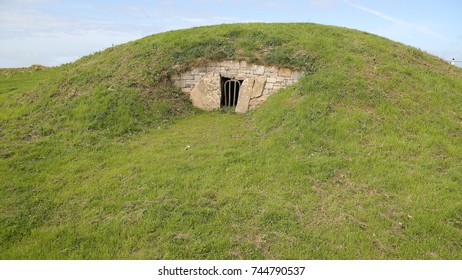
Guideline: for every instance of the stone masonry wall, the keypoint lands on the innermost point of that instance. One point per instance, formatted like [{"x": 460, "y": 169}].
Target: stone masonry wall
[{"x": 273, "y": 77}]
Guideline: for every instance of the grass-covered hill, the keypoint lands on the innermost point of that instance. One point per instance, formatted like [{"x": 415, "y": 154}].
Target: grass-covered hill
[{"x": 361, "y": 159}]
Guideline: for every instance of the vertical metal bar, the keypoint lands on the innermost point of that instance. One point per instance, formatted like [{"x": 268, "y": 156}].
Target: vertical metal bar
[
  {"x": 231, "y": 90},
  {"x": 225, "y": 89},
  {"x": 232, "y": 93},
  {"x": 227, "y": 93}
]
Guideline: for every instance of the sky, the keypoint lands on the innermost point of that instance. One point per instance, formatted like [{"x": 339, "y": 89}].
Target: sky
[{"x": 54, "y": 32}]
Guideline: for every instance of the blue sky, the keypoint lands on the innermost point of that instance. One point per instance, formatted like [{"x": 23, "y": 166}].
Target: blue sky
[{"x": 52, "y": 32}]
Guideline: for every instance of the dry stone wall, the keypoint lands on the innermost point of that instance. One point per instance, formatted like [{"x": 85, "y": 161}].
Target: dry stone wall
[{"x": 203, "y": 83}]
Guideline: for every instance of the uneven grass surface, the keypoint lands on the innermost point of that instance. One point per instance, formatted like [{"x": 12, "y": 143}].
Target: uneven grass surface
[{"x": 362, "y": 159}]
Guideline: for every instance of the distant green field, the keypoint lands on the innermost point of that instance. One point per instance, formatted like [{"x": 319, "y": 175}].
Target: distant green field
[{"x": 361, "y": 159}]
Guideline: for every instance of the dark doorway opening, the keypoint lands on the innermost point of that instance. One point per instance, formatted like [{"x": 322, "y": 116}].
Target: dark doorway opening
[{"x": 230, "y": 91}]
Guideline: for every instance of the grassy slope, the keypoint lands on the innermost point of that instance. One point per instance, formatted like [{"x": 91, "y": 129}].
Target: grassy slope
[{"x": 361, "y": 159}]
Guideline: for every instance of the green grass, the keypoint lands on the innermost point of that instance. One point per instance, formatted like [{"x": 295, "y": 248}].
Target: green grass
[{"x": 362, "y": 159}]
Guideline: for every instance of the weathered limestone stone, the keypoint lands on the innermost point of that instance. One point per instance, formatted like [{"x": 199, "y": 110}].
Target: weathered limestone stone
[
  {"x": 296, "y": 75},
  {"x": 260, "y": 70},
  {"x": 245, "y": 93},
  {"x": 252, "y": 88},
  {"x": 190, "y": 83},
  {"x": 271, "y": 80},
  {"x": 206, "y": 94},
  {"x": 205, "y": 88},
  {"x": 255, "y": 102},
  {"x": 269, "y": 86},
  {"x": 258, "y": 87},
  {"x": 186, "y": 90},
  {"x": 285, "y": 72},
  {"x": 271, "y": 70}
]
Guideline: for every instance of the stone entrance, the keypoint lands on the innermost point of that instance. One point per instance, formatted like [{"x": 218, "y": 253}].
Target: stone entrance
[
  {"x": 206, "y": 85},
  {"x": 230, "y": 89}
]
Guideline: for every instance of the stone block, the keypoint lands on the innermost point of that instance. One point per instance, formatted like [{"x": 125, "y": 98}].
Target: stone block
[
  {"x": 190, "y": 84},
  {"x": 269, "y": 86},
  {"x": 243, "y": 65},
  {"x": 277, "y": 87},
  {"x": 202, "y": 69},
  {"x": 262, "y": 98},
  {"x": 259, "y": 70},
  {"x": 258, "y": 87},
  {"x": 296, "y": 75},
  {"x": 271, "y": 80},
  {"x": 255, "y": 102},
  {"x": 186, "y": 90},
  {"x": 245, "y": 93},
  {"x": 231, "y": 64},
  {"x": 285, "y": 72},
  {"x": 271, "y": 70},
  {"x": 233, "y": 73},
  {"x": 206, "y": 94},
  {"x": 187, "y": 77}
]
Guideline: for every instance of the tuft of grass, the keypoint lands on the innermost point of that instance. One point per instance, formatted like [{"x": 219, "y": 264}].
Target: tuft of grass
[{"x": 104, "y": 159}]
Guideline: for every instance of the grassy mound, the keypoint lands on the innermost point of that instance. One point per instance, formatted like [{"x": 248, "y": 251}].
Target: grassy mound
[{"x": 360, "y": 159}]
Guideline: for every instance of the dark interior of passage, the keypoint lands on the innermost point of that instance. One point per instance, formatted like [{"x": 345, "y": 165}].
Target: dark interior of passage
[{"x": 230, "y": 91}]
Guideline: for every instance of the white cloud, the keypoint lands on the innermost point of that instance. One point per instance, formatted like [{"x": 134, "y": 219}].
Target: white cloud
[
  {"x": 32, "y": 36},
  {"x": 55, "y": 48},
  {"x": 19, "y": 18},
  {"x": 59, "y": 31},
  {"x": 423, "y": 29},
  {"x": 377, "y": 13}
]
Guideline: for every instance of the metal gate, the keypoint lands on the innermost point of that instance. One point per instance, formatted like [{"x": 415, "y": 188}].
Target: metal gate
[{"x": 231, "y": 92}]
